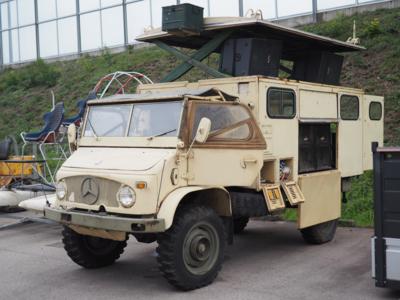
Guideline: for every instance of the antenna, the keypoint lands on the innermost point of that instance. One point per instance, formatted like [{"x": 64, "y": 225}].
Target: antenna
[{"x": 354, "y": 40}]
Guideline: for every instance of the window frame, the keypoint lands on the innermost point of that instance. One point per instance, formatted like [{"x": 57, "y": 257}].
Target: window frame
[
  {"x": 294, "y": 103},
  {"x": 358, "y": 107},
  {"x": 254, "y": 141},
  {"x": 381, "y": 111}
]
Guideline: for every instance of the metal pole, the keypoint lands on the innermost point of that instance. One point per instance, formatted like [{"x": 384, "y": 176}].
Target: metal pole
[
  {"x": 1, "y": 43},
  {"x": 314, "y": 10},
  {"x": 37, "y": 29},
  {"x": 151, "y": 13},
  {"x": 241, "y": 8},
  {"x": 58, "y": 37},
  {"x": 276, "y": 10},
  {"x": 78, "y": 27},
  {"x": 125, "y": 16},
  {"x": 9, "y": 35}
]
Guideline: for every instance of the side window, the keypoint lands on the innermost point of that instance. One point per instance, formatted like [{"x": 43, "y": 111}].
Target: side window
[
  {"x": 281, "y": 103},
  {"x": 349, "y": 107},
  {"x": 228, "y": 122},
  {"x": 375, "y": 111}
]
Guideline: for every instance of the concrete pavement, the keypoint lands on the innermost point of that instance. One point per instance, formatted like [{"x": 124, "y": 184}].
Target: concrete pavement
[{"x": 268, "y": 261}]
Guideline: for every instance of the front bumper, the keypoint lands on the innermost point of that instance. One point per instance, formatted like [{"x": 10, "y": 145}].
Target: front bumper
[{"x": 105, "y": 222}]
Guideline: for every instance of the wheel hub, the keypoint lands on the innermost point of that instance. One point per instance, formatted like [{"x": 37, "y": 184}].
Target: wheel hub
[{"x": 201, "y": 248}]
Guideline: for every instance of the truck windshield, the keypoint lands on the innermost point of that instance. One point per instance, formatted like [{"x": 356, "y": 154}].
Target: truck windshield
[{"x": 134, "y": 120}]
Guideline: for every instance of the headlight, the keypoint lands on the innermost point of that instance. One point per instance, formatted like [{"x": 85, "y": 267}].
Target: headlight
[
  {"x": 126, "y": 196},
  {"x": 61, "y": 190}
]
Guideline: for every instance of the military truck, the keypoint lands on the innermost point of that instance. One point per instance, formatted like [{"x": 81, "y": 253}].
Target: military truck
[{"x": 187, "y": 164}]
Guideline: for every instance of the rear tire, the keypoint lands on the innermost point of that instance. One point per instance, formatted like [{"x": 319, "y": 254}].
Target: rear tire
[
  {"x": 91, "y": 252},
  {"x": 320, "y": 233},
  {"x": 239, "y": 224},
  {"x": 190, "y": 253}
]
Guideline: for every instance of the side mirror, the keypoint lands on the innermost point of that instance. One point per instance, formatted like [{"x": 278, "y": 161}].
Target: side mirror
[
  {"x": 72, "y": 136},
  {"x": 203, "y": 130}
]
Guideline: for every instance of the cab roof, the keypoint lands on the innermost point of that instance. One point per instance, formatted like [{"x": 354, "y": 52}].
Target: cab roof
[
  {"x": 181, "y": 93},
  {"x": 295, "y": 42}
]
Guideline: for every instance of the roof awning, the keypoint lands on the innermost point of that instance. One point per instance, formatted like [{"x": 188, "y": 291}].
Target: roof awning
[{"x": 295, "y": 42}]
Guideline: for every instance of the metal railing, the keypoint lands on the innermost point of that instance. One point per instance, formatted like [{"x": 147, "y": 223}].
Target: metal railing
[{"x": 32, "y": 29}]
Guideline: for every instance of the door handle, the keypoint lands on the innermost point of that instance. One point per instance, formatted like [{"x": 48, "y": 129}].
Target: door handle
[{"x": 245, "y": 161}]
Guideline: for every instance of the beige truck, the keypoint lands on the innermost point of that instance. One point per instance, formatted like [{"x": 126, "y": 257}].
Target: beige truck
[{"x": 187, "y": 164}]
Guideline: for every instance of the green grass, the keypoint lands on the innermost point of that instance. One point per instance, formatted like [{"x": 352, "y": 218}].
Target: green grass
[{"x": 25, "y": 92}]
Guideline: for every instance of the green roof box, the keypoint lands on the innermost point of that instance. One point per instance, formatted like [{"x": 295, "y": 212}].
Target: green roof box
[{"x": 183, "y": 18}]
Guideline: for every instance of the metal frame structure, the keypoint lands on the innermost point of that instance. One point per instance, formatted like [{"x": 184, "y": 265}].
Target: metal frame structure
[
  {"x": 124, "y": 4},
  {"x": 386, "y": 215}
]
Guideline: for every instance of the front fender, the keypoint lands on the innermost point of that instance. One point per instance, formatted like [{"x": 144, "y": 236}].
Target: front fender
[{"x": 171, "y": 202}]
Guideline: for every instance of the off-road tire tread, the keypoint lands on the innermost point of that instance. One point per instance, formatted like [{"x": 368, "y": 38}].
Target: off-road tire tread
[
  {"x": 320, "y": 233},
  {"x": 73, "y": 247},
  {"x": 239, "y": 224},
  {"x": 166, "y": 247}
]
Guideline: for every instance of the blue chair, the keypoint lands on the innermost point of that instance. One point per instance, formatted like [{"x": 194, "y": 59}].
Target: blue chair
[
  {"x": 53, "y": 120},
  {"x": 81, "y": 105},
  {"x": 48, "y": 136}
]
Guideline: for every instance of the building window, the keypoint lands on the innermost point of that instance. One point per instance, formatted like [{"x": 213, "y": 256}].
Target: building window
[
  {"x": 375, "y": 111},
  {"x": 281, "y": 103},
  {"x": 349, "y": 107}
]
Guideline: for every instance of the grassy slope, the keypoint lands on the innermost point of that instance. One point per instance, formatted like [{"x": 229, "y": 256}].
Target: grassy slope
[{"x": 25, "y": 93}]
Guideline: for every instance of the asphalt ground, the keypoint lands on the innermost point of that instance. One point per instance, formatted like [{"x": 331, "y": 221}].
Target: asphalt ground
[{"x": 268, "y": 261}]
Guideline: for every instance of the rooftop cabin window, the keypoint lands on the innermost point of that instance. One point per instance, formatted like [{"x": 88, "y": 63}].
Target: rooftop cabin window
[
  {"x": 375, "y": 111},
  {"x": 281, "y": 103},
  {"x": 349, "y": 108}
]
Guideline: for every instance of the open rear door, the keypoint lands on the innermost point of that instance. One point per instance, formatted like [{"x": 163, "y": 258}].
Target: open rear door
[
  {"x": 350, "y": 135},
  {"x": 373, "y": 126}
]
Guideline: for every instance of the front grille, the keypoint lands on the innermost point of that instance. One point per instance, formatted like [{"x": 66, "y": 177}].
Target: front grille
[{"x": 107, "y": 191}]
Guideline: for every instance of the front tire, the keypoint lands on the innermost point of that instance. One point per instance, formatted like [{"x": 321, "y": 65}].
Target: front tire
[
  {"x": 190, "y": 253},
  {"x": 320, "y": 233},
  {"x": 91, "y": 252}
]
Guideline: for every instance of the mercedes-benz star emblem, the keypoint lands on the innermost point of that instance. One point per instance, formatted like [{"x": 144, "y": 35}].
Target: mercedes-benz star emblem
[{"x": 89, "y": 190}]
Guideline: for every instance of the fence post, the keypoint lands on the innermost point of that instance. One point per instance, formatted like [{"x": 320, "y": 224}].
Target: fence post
[
  {"x": 78, "y": 27},
  {"x": 314, "y": 10},
  {"x": 1, "y": 43},
  {"x": 125, "y": 16},
  {"x": 37, "y": 30}
]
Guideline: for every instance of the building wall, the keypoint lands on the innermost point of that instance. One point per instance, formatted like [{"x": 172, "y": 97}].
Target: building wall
[{"x": 63, "y": 29}]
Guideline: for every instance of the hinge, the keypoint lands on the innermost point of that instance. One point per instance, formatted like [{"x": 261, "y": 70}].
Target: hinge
[{"x": 187, "y": 176}]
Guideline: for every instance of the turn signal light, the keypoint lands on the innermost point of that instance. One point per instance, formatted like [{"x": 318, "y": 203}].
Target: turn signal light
[{"x": 141, "y": 185}]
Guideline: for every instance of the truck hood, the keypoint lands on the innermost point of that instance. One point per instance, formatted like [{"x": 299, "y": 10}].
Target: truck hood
[{"x": 126, "y": 159}]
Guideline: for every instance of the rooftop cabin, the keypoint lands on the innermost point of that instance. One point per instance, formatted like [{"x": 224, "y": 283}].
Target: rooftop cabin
[{"x": 247, "y": 46}]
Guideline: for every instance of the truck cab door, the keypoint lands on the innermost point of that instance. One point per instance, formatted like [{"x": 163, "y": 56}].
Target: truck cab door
[
  {"x": 233, "y": 152},
  {"x": 350, "y": 135}
]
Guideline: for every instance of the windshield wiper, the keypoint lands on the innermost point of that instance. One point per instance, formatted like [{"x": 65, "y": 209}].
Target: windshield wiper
[
  {"x": 160, "y": 134},
  {"x": 94, "y": 131}
]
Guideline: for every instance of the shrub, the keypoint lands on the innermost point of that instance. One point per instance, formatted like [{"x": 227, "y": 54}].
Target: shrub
[{"x": 36, "y": 74}]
